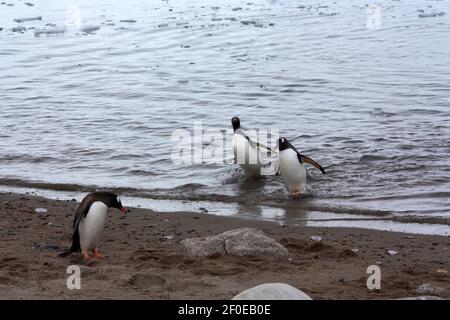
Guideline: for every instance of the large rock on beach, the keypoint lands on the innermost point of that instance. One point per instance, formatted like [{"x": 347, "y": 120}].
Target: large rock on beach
[
  {"x": 272, "y": 291},
  {"x": 238, "y": 242}
]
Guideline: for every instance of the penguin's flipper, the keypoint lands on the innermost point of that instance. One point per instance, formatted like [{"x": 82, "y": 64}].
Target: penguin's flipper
[
  {"x": 254, "y": 144},
  {"x": 258, "y": 145},
  {"x": 277, "y": 167},
  {"x": 310, "y": 161}
]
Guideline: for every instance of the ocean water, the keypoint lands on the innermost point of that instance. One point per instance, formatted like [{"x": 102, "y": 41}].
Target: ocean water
[{"x": 97, "y": 110}]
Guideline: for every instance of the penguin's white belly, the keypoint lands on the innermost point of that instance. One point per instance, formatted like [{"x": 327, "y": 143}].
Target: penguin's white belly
[
  {"x": 91, "y": 227},
  {"x": 248, "y": 157},
  {"x": 292, "y": 171}
]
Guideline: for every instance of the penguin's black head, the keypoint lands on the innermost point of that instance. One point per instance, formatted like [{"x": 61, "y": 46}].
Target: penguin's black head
[
  {"x": 118, "y": 205},
  {"x": 111, "y": 200},
  {"x": 283, "y": 144},
  {"x": 236, "y": 123}
]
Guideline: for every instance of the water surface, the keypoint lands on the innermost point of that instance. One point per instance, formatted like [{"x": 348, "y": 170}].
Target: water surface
[{"x": 82, "y": 110}]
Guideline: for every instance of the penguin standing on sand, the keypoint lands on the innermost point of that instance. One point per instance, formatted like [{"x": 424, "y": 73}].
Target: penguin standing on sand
[
  {"x": 89, "y": 222},
  {"x": 292, "y": 167},
  {"x": 247, "y": 152}
]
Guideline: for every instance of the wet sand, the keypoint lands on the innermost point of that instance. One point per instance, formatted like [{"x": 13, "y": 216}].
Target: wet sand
[{"x": 142, "y": 261}]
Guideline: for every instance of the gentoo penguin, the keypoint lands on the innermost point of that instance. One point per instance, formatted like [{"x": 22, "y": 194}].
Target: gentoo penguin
[
  {"x": 292, "y": 167},
  {"x": 247, "y": 152},
  {"x": 89, "y": 221}
]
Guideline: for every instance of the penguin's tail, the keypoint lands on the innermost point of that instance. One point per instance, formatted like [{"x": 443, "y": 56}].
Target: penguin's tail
[
  {"x": 68, "y": 252},
  {"x": 65, "y": 253},
  {"x": 74, "y": 248}
]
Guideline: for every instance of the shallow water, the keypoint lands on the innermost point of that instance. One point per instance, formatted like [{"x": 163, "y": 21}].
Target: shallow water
[{"x": 98, "y": 109}]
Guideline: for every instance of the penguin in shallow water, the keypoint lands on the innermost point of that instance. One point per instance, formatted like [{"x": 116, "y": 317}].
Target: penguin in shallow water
[
  {"x": 89, "y": 222},
  {"x": 292, "y": 167},
  {"x": 247, "y": 152}
]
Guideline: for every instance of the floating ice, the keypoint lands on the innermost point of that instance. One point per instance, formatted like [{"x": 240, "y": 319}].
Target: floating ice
[
  {"x": 52, "y": 31},
  {"x": 89, "y": 29},
  {"x": 19, "y": 29},
  {"x": 20, "y": 20},
  {"x": 431, "y": 14}
]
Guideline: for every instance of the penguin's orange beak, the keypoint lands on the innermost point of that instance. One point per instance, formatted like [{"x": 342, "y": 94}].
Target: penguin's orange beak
[{"x": 123, "y": 210}]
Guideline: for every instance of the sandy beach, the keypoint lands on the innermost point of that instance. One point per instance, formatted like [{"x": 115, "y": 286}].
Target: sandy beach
[
  {"x": 143, "y": 259},
  {"x": 138, "y": 99}
]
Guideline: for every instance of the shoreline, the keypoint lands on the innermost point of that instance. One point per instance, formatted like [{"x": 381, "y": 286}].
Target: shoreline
[
  {"x": 143, "y": 259},
  {"x": 352, "y": 218}
]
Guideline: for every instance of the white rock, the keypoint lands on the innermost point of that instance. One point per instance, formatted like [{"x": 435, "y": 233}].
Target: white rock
[
  {"x": 392, "y": 252},
  {"x": 272, "y": 291},
  {"x": 40, "y": 210},
  {"x": 316, "y": 238},
  {"x": 421, "y": 298}
]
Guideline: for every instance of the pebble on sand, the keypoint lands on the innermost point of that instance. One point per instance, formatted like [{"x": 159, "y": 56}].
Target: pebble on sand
[
  {"x": 45, "y": 246},
  {"x": 429, "y": 289}
]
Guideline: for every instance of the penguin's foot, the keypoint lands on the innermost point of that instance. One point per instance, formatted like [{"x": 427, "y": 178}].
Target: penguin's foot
[
  {"x": 97, "y": 253},
  {"x": 296, "y": 194},
  {"x": 86, "y": 255}
]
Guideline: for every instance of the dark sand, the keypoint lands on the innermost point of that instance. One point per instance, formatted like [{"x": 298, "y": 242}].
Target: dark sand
[{"x": 140, "y": 263}]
